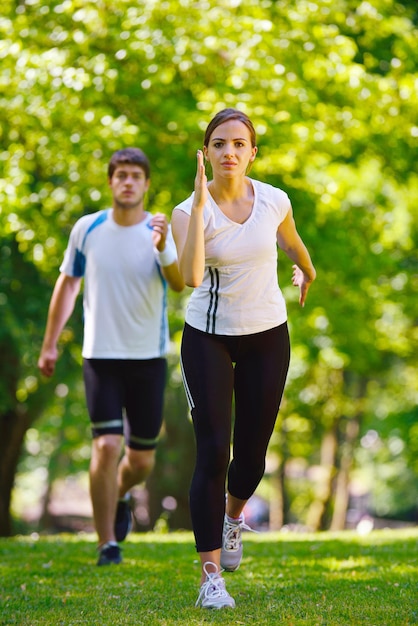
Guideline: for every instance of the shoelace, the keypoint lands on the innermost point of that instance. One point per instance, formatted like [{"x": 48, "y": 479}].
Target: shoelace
[
  {"x": 233, "y": 534},
  {"x": 214, "y": 586}
]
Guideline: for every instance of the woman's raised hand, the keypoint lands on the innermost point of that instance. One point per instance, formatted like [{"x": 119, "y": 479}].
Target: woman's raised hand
[{"x": 200, "y": 183}]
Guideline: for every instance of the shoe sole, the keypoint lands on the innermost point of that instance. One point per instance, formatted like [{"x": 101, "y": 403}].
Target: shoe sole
[
  {"x": 230, "y": 569},
  {"x": 222, "y": 606},
  {"x": 104, "y": 563}
]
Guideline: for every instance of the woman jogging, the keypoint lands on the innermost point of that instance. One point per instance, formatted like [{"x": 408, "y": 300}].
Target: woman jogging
[{"x": 235, "y": 340}]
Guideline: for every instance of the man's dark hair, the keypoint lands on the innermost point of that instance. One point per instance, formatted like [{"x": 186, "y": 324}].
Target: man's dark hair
[{"x": 129, "y": 156}]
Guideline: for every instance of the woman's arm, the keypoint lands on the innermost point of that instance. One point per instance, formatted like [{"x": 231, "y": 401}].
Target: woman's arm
[
  {"x": 188, "y": 231},
  {"x": 289, "y": 240}
]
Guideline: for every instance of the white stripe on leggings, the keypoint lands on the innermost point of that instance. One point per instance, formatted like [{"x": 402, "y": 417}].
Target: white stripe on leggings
[{"x": 186, "y": 387}]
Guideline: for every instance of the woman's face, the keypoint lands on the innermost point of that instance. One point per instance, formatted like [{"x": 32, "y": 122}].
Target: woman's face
[{"x": 229, "y": 150}]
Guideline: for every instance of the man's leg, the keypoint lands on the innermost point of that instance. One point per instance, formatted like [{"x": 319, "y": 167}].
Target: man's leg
[
  {"x": 144, "y": 382},
  {"x": 144, "y": 397},
  {"x": 105, "y": 457},
  {"x": 134, "y": 467}
]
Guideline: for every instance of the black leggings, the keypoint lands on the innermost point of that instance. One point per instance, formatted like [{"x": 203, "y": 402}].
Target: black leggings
[{"x": 216, "y": 368}]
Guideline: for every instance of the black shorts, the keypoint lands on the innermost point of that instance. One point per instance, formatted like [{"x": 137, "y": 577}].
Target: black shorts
[{"x": 125, "y": 397}]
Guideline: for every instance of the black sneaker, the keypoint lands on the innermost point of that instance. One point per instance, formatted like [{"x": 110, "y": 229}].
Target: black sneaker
[
  {"x": 110, "y": 554},
  {"x": 123, "y": 520}
]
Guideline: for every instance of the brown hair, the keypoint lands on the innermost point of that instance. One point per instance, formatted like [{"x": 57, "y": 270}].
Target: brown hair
[
  {"x": 129, "y": 156},
  {"x": 224, "y": 116}
]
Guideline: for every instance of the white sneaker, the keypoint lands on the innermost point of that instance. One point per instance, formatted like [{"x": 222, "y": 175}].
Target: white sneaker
[
  {"x": 213, "y": 594},
  {"x": 231, "y": 553}
]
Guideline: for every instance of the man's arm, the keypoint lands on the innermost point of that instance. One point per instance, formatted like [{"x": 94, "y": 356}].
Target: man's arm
[
  {"x": 172, "y": 275},
  {"x": 167, "y": 253},
  {"x": 61, "y": 306}
]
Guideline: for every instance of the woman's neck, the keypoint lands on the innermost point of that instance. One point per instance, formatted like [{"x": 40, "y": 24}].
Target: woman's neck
[
  {"x": 236, "y": 201},
  {"x": 230, "y": 190}
]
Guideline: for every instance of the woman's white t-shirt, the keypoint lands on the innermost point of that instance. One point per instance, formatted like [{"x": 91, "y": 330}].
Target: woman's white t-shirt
[{"x": 240, "y": 293}]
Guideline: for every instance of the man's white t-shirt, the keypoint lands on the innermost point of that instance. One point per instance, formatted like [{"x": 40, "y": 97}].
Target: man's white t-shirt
[
  {"x": 240, "y": 294},
  {"x": 124, "y": 301}
]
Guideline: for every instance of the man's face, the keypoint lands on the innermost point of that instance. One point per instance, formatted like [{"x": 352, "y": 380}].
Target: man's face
[{"x": 129, "y": 186}]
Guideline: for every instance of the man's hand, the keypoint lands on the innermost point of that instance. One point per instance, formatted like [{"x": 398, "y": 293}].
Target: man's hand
[
  {"x": 47, "y": 361},
  {"x": 159, "y": 225}
]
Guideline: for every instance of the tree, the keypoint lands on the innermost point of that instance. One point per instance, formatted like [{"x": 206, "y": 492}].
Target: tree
[{"x": 331, "y": 88}]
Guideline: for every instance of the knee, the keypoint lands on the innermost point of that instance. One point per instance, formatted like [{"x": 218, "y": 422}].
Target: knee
[
  {"x": 243, "y": 478},
  {"x": 141, "y": 461},
  {"x": 250, "y": 466},
  {"x": 213, "y": 459},
  {"x": 107, "y": 448}
]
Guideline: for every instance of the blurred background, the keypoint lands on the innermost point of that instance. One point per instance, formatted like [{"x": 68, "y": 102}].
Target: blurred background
[{"x": 332, "y": 89}]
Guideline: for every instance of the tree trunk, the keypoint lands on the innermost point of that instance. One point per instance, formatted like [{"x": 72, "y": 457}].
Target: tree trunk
[
  {"x": 277, "y": 500},
  {"x": 13, "y": 427},
  {"x": 343, "y": 477},
  {"x": 323, "y": 487}
]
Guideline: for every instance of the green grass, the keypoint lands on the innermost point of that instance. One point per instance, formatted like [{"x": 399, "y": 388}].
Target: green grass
[{"x": 289, "y": 579}]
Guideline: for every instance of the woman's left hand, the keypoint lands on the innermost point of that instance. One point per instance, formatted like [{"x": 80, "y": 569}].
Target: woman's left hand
[{"x": 299, "y": 279}]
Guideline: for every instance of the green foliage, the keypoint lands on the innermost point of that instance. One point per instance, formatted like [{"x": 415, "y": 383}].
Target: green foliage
[
  {"x": 332, "y": 90},
  {"x": 285, "y": 578}
]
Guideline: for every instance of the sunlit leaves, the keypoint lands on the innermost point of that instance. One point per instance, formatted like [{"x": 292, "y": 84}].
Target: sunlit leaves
[{"x": 331, "y": 87}]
